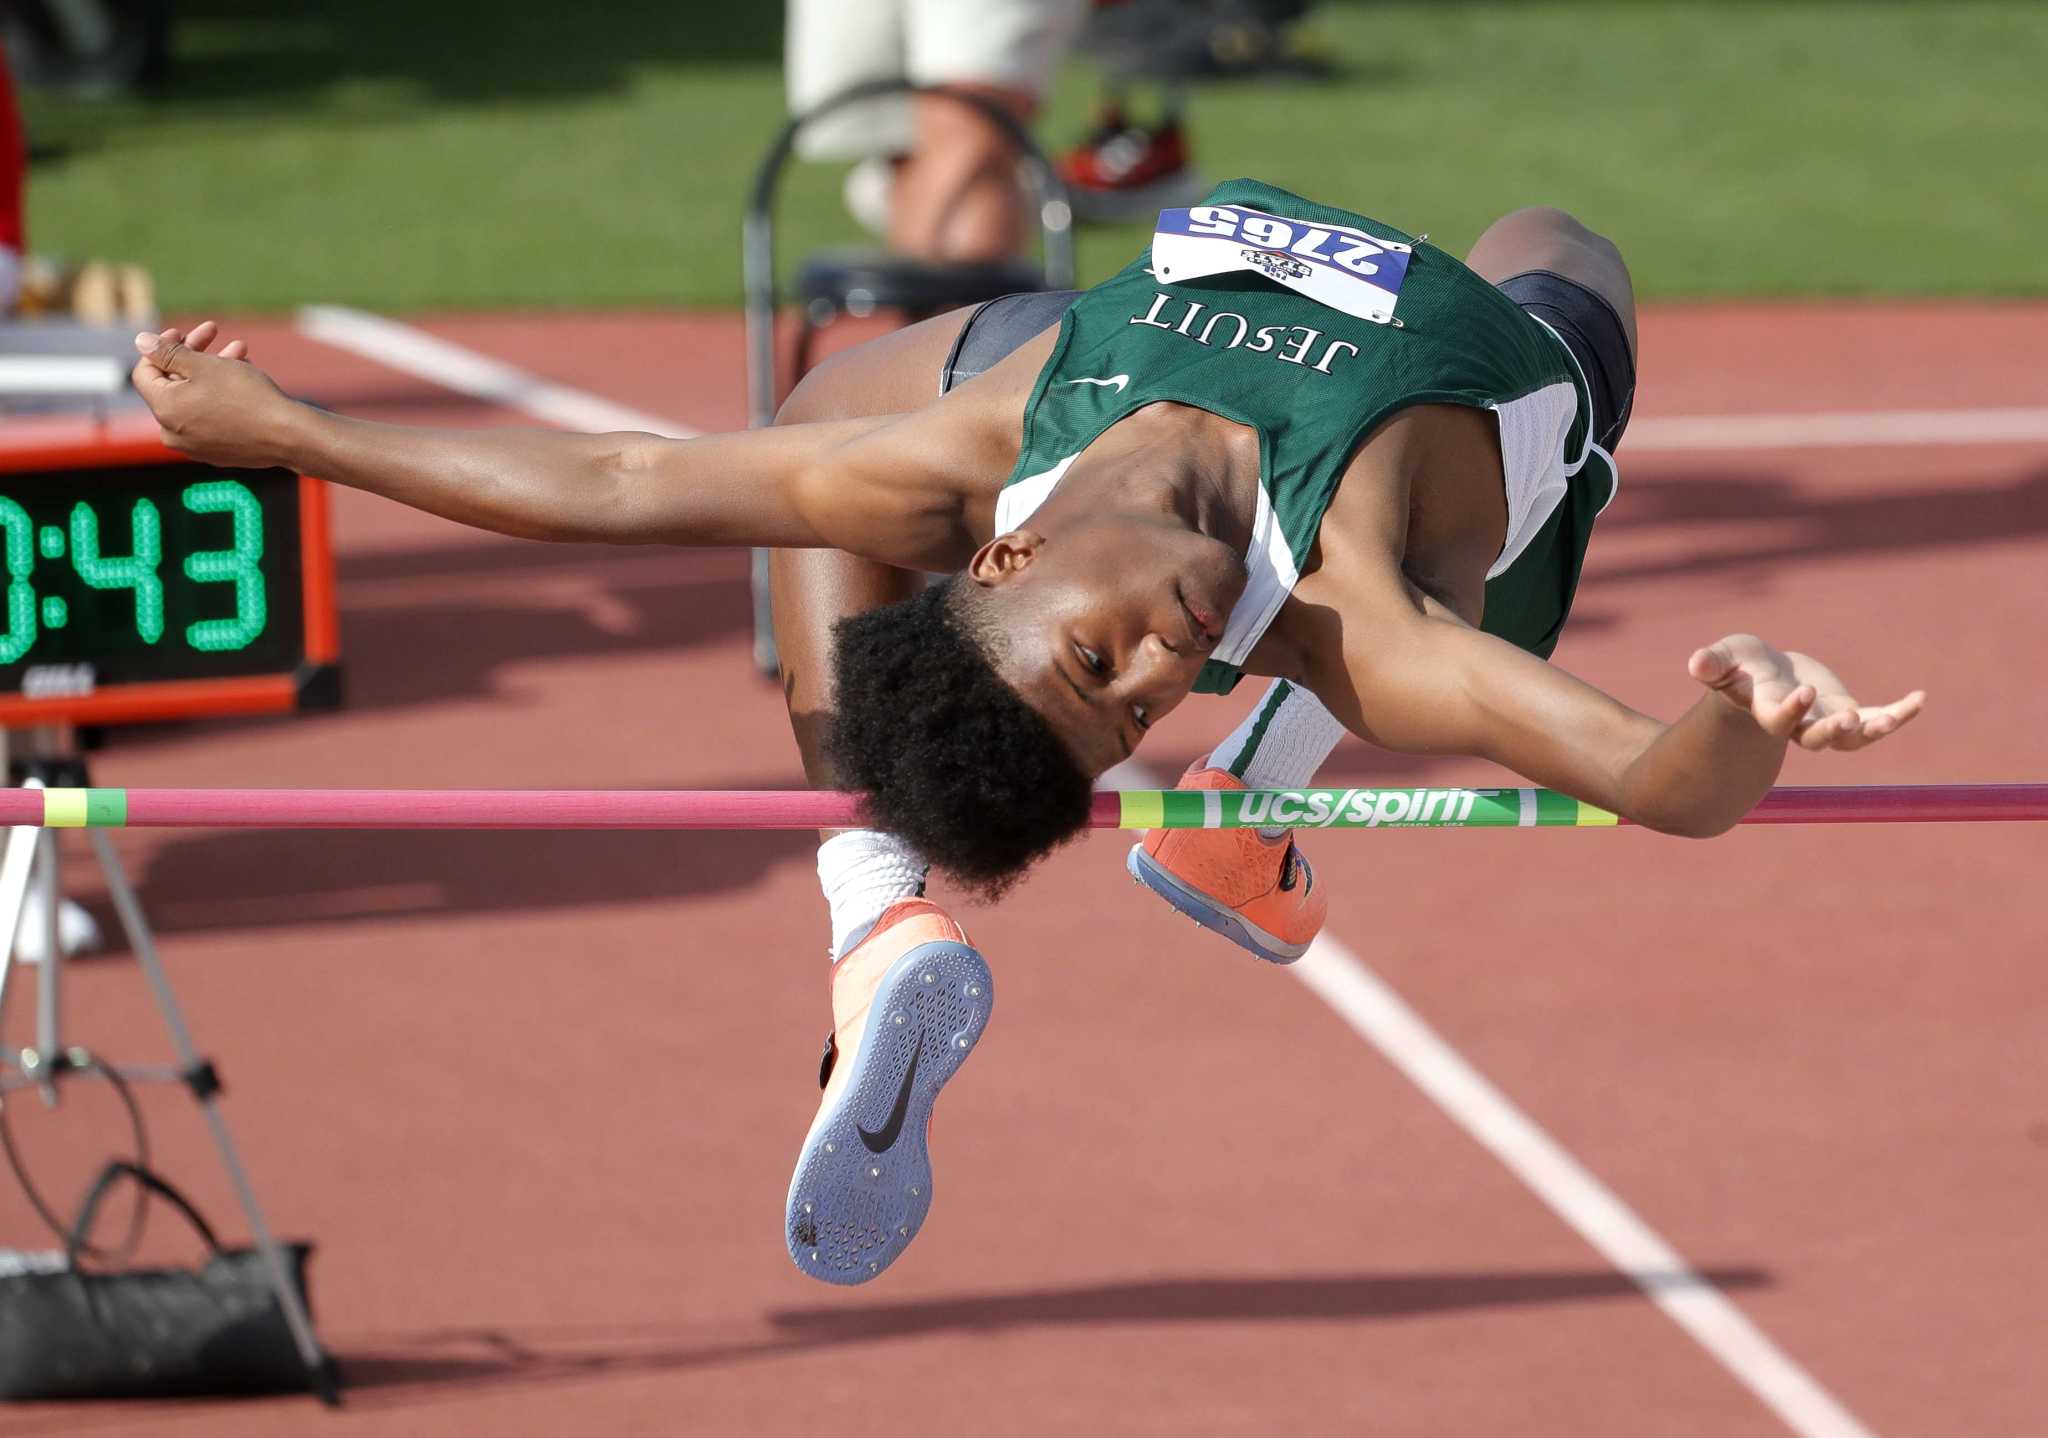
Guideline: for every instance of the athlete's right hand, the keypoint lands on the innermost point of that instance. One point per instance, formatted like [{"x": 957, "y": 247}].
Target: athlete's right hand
[
  {"x": 1795, "y": 696},
  {"x": 215, "y": 407}
]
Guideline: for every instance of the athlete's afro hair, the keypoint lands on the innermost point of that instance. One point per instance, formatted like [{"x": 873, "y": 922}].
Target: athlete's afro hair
[{"x": 950, "y": 757}]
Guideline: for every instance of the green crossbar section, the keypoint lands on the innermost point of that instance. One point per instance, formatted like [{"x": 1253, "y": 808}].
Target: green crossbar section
[
  {"x": 85, "y": 808},
  {"x": 1358, "y": 809}
]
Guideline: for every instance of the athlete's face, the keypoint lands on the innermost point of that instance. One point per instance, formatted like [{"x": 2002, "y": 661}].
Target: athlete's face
[{"x": 1107, "y": 623}]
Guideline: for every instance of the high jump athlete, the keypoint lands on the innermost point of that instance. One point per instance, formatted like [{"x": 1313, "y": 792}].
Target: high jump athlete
[{"x": 1288, "y": 441}]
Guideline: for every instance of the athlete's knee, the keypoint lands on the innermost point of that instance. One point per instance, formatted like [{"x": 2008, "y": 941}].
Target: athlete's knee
[
  {"x": 1548, "y": 217},
  {"x": 1571, "y": 230},
  {"x": 1540, "y": 227},
  {"x": 1543, "y": 237}
]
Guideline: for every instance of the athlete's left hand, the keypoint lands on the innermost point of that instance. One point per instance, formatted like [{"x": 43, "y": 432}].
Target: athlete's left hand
[{"x": 1795, "y": 696}]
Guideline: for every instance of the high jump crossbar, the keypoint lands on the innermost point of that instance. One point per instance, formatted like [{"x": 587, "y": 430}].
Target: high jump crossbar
[{"x": 1359, "y": 808}]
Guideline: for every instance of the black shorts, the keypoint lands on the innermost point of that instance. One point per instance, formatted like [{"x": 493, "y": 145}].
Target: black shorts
[
  {"x": 1593, "y": 332},
  {"x": 1587, "y": 324},
  {"x": 998, "y": 328}
]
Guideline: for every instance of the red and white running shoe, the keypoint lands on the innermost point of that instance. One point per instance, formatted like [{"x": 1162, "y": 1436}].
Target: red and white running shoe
[
  {"x": 1259, "y": 893},
  {"x": 1125, "y": 170},
  {"x": 909, "y": 1002}
]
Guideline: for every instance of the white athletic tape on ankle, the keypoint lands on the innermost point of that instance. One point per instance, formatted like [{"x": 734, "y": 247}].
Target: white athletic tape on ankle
[{"x": 863, "y": 872}]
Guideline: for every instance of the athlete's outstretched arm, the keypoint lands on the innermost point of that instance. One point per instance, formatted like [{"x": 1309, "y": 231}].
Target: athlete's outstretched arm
[
  {"x": 1416, "y": 678},
  {"x": 888, "y": 488}
]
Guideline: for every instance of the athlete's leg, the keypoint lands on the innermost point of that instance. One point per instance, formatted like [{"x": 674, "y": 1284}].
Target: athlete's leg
[
  {"x": 1576, "y": 283},
  {"x": 910, "y": 996},
  {"x": 861, "y": 871},
  {"x": 956, "y": 196}
]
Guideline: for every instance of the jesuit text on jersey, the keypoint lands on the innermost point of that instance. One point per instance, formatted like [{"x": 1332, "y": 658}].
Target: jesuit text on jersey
[{"x": 1290, "y": 343}]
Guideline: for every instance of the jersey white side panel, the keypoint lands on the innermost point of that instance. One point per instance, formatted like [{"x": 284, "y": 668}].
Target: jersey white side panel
[
  {"x": 1533, "y": 431},
  {"x": 1270, "y": 575},
  {"x": 1018, "y": 502}
]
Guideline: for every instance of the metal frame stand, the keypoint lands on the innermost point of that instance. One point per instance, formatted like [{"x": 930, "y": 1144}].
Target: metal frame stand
[{"x": 32, "y": 858}]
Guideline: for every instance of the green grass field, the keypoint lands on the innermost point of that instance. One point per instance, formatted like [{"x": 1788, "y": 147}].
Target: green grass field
[{"x": 463, "y": 154}]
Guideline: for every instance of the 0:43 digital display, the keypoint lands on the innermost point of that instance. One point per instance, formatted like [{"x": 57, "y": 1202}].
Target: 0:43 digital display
[
  {"x": 149, "y": 572},
  {"x": 139, "y": 585}
]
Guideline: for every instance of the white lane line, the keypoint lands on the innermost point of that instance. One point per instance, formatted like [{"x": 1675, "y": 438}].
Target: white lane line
[
  {"x": 452, "y": 366},
  {"x": 415, "y": 352},
  {"x": 1331, "y": 971},
  {"x": 1383, "y": 1019},
  {"x": 1838, "y": 429}
]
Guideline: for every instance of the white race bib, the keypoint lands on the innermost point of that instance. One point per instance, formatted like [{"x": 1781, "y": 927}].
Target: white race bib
[{"x": 1335, "y": 265}]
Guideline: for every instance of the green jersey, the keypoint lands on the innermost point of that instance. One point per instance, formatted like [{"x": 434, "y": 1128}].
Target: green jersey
[{"x": 1310, "y": 325}]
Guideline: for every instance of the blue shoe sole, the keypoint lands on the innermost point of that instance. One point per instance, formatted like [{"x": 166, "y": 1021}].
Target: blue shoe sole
[
  {"x": 1208, "y": 913},
  {"x": 856, "y": 1201}
]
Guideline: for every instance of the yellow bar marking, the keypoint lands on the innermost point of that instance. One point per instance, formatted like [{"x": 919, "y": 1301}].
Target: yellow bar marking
[
  {"x": 1143, "y": 809},
  {"x": 64, "y": 808},
  {"x": 1593, "y": 817}
]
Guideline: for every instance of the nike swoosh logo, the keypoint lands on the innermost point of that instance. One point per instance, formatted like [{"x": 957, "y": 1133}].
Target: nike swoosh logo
[
  {"x": 1115, "y": 381},
  {"x": 883, "y": 1139}
]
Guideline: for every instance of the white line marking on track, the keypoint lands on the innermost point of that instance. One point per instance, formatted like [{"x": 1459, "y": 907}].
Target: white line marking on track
[
  {"x": 415, "y": 352},
  {"x": 1383, "y": 1019},
  {"x": 1838, "y": 429},
  {"x": 1341, "y": 980},
  {"x": 1329, "y": 969}
]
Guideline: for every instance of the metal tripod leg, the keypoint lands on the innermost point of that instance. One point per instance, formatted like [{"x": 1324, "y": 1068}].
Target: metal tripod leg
[
  {"x": 49, "y": 992},
  {"x": 766, "y": 660},
  {"x": 199, "y": 1077},
  {"x": 16, "y": 872},
  {"x": 31, "y": 863}
]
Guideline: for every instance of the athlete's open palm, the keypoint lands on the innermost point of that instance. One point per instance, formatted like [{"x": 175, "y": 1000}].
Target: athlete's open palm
[{"x": 1796, "y": 696}]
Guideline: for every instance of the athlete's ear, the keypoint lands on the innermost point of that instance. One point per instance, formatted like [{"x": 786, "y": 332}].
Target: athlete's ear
[{"x": 1004, "y": 557}]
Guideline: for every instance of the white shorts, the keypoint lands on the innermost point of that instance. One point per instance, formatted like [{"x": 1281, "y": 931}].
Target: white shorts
[{"x": 832, "y": 45}]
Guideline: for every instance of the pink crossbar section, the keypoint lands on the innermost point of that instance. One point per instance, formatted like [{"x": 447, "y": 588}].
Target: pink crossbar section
[
  {"x": 1901, "y": 804},
  {"x": 806, "y": 809}
]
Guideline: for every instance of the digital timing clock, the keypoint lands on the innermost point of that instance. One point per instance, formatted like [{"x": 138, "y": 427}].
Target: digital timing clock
[{"x": 136, "y": 584}]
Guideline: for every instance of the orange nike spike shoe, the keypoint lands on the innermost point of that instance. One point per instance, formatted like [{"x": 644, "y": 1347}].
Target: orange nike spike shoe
[
  {"x": 909, "y": 1002},
  {"x": 1258, "y": 893}
]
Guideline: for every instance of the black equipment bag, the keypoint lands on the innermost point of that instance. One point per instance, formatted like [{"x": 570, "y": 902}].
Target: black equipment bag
[{"x": 149, "y": 1332}]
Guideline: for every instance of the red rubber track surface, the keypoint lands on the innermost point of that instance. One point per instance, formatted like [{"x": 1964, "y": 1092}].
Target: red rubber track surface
[{"x": 536, "y": 1095}]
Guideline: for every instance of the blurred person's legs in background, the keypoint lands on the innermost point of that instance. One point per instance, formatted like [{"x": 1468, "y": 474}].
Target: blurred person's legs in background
[
  {"x": 1137, "y": 159},
  {"x": 950, "y": 181}
]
